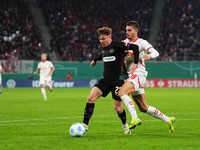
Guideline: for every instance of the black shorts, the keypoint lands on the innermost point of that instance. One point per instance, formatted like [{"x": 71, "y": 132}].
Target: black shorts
[{"x": 106, "y": 88}]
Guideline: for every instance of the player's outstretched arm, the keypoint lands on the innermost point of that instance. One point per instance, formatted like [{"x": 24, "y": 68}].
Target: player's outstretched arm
[
  {"x": 150, "y": 50},
  {"x": 95, "y": 59},
  {"x": 37, "y": 70},
  {"x": 152, "y": 54},
  {"x": 52, "y": 71}
]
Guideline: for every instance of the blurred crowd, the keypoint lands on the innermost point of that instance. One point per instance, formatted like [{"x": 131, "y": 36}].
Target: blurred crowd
[
  {"x": 19, "y": 35},
  {"x": 73, "y": 27},
  {"x": 73, "y": 24},
  {"x": 179, "y": 28}
]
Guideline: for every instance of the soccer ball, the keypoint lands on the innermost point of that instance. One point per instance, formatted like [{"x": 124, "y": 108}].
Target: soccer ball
[{"x": 77, "y": 130}]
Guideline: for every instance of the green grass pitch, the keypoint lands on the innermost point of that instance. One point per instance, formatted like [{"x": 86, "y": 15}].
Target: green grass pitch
[{"x": 29, "y": 123}]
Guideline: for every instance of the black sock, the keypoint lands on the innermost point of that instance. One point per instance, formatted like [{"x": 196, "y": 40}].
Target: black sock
[
  {"x": 122, "y": 116},
  {"x": 89, "y": 109}
]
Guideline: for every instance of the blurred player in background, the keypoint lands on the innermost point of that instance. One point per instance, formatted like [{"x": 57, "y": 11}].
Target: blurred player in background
[
  {"x": 46, "y": 69},
  {"x": 137, "y": 77},
  {"x": 112, "y": 54},
  {"x": 0, "y": 79}
]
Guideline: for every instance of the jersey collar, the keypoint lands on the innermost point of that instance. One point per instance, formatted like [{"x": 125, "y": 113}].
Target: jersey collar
[{"x": 135, "y": 40}]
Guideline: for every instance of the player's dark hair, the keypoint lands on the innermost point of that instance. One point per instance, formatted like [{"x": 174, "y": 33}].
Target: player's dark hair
[
  {"x": 104, "y": 31},
  {"x": 133, "y": 24}
]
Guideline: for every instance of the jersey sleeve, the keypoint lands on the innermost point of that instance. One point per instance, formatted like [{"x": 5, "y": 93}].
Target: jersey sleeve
[
  {"x": 39, "y": 66},
  {"x": 97, "y": 57},
  {"x": 136, "y": 52},
  {"x": 153, "y": 53},
  {"x": 50, "y": 64},
  {"x": 146, "y": 46},
  {"x": 125, "y": 47},
  {"x": 120, "y": 46},
  {"x": 149, "y": 48}
]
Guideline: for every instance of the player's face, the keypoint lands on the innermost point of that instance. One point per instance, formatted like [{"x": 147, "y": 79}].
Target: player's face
[
  {"x": 105, "y": 40},
  {"x": 131, "y": 32},
  {"x": 43, "y": 57}
]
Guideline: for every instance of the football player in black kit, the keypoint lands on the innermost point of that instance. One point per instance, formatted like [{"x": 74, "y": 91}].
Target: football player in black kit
[{"x": 112, "y": 54}]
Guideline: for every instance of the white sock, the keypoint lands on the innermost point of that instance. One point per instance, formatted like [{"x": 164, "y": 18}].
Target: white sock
[
  {"x": 157, "y": 114},
  {"x": 130, "y": 105},
  {"x": 44, "y": 93}
]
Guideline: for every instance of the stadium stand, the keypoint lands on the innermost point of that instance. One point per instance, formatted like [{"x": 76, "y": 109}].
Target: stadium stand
[
  {"x": 19, "y": 36},
  {"x": 179, "y": 28},
  {"x": 73, "y": 24}
]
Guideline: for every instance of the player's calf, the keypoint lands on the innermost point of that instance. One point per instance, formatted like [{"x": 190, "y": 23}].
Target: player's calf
[
  {"x": 49, "y": 88},
  {"x": 124, "y": 91},
  {"x": 143, "y": 108},
  {"x": 118, "y": 106},
  {"x": 43, "y": 92},
  {"x": 89, "y": 108},
  {"x": 122, "y": 115}
]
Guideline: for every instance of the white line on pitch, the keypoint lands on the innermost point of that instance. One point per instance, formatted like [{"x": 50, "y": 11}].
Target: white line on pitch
[
  {"x": 65, "y": 118},
  {"x": 61, "y": 123}
]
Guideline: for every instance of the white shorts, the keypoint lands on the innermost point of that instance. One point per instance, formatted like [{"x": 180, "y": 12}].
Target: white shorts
[
  {"x": 138, "y": 80},
  {"x": 46, "y": 81}
]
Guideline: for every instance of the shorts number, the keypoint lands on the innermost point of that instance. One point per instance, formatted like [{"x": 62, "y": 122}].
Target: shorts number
[{"x": 117, "y": 90}]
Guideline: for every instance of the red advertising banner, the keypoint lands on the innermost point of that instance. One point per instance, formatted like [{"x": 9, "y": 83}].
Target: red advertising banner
[
  {"x": 173, "y": 83},
  {"x": 10, "y": 66}
]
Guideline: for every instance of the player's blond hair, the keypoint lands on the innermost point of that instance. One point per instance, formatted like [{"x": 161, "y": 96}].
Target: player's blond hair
[
  {"x": 44, "y": 54},
  {"x": 104, "y": 31}
]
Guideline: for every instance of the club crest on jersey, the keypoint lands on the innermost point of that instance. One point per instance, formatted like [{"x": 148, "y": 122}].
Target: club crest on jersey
[
  {"x": 109, "y": 58},
  {"x": 111, "y": 51}
]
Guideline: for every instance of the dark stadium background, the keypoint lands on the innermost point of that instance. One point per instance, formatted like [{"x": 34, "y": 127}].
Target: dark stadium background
[{"x": 66, "y": 31}]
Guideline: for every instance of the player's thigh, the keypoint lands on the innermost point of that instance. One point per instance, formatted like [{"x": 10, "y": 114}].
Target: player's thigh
[
  {"x": 42, "y": 82},
  {"x": 103, "y": 87},
  {"x": 118, "y": 106},
  {"x": 49, "y": 83},
  {"x": 115, "y": 90},
  {"x": 94, "y": 94},
  {"x": 127, "y": 88},
  {"x": 140, "y": 100}
]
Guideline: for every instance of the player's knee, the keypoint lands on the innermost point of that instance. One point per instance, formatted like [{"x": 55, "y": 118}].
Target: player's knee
[
  {"x": 91, "y": 99},
  {"x": 121, "y": 92},
  {"x": 118, "y": 108},
  {"x": 125, "y": 92}
]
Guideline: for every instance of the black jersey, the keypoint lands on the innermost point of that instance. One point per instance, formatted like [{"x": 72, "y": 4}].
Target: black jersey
[{"x": 113, "y": 57}]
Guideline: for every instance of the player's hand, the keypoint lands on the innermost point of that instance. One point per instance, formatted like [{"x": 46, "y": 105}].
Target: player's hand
[
  {"x": 50, "y": 74},
  {"x": 93, "y": 63},
  {"x": 133, "y": 68},
  {"x": 34, "y": 73},
  {"x": 147, "y": 57}
]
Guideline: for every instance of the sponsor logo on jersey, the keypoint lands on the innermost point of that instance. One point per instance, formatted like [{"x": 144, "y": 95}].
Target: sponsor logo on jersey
[{"x": 109, "y": 58}]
